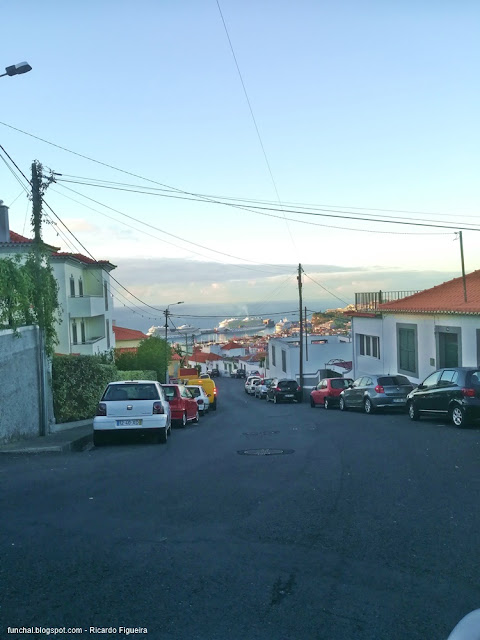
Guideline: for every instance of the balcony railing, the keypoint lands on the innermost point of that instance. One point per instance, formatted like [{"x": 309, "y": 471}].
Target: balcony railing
[
  {"x": 368, "y": 301},
  {"x": 86, "y": 306}
]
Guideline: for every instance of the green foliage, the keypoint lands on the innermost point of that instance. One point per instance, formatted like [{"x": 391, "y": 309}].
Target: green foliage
[
  {"x": 29, "y": 295},
  {"x": 136, "y": 375},
  {"x": 154, "y": 354},
  {"x": 78, "y": 382},
  {"x": 126, "y": 361}
]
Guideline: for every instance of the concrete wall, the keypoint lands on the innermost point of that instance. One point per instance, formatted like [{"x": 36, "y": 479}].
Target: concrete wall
[{"x": 20, "y": 385}]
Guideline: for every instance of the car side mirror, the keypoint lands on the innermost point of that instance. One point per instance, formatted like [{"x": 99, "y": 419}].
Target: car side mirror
[{"x": 421, "y": 386}]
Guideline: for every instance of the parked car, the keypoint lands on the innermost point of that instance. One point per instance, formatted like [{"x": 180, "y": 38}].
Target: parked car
[
  {"x": 374, "y": 392},
  {"x": 451, "y": 392},
  {"x": 139, "y": 405},
  {"x": 327, "y": 392},
  {"x": 198, "y": 392},
  {"x": 210, "y": 389},
  {"x": 213, "y": 373},
  {"x": 250, "y": 383},
  {"x": 183, "y": 405},
  {"x": 240, "y": 373},
  {"x": 260, "y": 390},
  {"x": 283, "y": 390},
  {"x": 205, "y": 376}
]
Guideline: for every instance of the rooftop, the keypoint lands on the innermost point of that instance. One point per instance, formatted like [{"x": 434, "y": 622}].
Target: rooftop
[{"x": 122, "y": 333}]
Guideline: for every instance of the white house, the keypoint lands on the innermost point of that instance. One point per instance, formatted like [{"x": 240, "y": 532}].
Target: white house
[
  {"x": 416, "y": 334},
  {"x": 283, "y": 357},
  {"x": 84, "y": 294}
]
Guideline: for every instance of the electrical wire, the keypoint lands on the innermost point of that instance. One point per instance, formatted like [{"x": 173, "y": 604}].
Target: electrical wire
[{"x": 325, "y": 288}]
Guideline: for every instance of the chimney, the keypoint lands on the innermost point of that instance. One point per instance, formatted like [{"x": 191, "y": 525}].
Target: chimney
[{"x": 4, "y": 226}]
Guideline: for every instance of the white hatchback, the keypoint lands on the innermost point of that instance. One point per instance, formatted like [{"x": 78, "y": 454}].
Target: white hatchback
[
  {"x": 198, "y": 392},
  {"x": 132, "y": 405},
  {"x": 250, "y": 384}
]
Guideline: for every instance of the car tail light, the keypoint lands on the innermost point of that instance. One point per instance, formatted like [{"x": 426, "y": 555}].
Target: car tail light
[
  {"x": 277, "y": 389},
  {"x": 200, "y": 401},
  {"x": 215, "y": 391},
  {"x": 379, "y": 389},
  {"x": 101, "y": 409},
  {"x": 468, "y": 393},
  {"x": 299, "y": 388},
  {"x": 158, "y": 408}
]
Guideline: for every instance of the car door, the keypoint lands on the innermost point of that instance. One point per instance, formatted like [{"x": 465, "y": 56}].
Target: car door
[
  {"x": 424, "y": 393},
  {"x": 444, "y": 392},
  {"x": 317, "y": 393},
  {"x": 190, "y": 404},
  {"x": 353, "y": 395}
]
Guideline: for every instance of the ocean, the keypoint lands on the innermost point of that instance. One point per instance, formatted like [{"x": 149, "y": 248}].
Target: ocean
[{"x": 207, "y": 316}]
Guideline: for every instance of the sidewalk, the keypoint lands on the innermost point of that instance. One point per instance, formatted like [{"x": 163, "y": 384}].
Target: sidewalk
[{"x": 73, "y": 439}]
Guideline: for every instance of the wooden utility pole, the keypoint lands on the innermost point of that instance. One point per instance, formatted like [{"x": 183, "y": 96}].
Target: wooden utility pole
[
  {"x": 300, "y": 307},
  {"x": 463, "y": 267},
  {"x": 306, "y": 335},
  {"x": 37, "y": 185}
]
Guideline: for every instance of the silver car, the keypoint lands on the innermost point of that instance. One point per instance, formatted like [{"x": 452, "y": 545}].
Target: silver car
[
  {"x": 374, "y": 392},
  {"x": 261, "y": 388}
]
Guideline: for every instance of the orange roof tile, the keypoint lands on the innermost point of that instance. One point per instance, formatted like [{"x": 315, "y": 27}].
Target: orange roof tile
[
  {"x": 232, "y": 345},
  {"x": 175, "y": 357},
  {"x": 122, "y": 333},
  {"x": 204, "y": 357},
  {"x": 447, "y": 297}
]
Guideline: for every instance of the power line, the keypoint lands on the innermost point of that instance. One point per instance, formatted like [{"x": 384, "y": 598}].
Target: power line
[
  {"x": 254, "y": 120},
  {"x": 260, "y": 210},
  {"x": 325, "y": 288}
]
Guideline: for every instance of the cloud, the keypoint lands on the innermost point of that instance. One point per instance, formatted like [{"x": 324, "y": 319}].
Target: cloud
[{"x": 163, "y": 280}]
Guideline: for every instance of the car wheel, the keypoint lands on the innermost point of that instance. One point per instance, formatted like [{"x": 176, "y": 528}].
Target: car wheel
[
  {"x": 457, "y": 416},
  {"x": 312, "y": 403},
  {"x": 342, "y": 405},
  {"x": 196, "y": 418},
  {"x": 99, "y": 439},
  {"x": 368, "y": 406},
  {"x": 183, "y": 421},
  {"x": 162, "y": 435},
  {"x": 213, "y": 406},
  {"x": 326, "y": 403},
  {"x": 413, "y": 413}
]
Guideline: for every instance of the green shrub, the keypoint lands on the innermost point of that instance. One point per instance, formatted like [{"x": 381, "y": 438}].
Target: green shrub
[
  {"x": 136, "y": 375},
  {"x": 79, "y": 381}
]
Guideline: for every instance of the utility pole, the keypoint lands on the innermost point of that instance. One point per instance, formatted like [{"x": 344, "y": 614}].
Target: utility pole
[
  {"x": 463, "y": 267},
  {"x": 306, "y": 335},
  {"x": 300, "y": 307},
  {"x": 37, "y": 186},
  {"x": 166, "y": 346}
]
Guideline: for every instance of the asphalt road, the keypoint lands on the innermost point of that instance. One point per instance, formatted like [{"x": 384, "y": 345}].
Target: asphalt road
[{"x": 366, "y": 528}]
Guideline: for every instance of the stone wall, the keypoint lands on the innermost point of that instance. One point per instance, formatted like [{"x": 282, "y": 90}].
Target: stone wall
[{"x": 20, "y": 385}]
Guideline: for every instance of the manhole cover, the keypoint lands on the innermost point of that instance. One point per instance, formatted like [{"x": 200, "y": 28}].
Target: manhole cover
[{"x": 264, "y": 452}]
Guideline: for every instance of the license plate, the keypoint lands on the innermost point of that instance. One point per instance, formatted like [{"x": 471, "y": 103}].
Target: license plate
[
  {"x": 398, "y": 400},
  {"x": 128, "y": 423},
  {"x": 289, "y": 395}
]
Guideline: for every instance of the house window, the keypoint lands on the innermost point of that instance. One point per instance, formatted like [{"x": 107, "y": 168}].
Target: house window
[
  {"x": 108, "y": 333},
  {"x": 72, "y": 286},
  {"x": 284, "y": 361},
  {"x": 369, "y": 345},
  {"x": 74, "y": 333},
  {"x": 105, "y": 293},
  {"x": 82, "y": 331},
  {"x": 407, "y": 349},
  {"x": 273, "y": 357},
  {"x": 80, "y": 287}
]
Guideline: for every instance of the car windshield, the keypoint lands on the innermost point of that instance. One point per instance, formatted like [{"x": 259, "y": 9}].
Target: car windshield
[
  {"x": 341, "y": 383},
  {"x": 287, "y": 384},
  {"x": 170, "y": 391},
  {"x": 131, "y": 392},
  {"x": 474, "y": 378},
  {"x": 393, "y": 381},
  {"x": 195, "y": 391}
]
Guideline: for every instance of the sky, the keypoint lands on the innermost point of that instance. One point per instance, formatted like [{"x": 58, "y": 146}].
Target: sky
[{"x": 356, "y": 109}]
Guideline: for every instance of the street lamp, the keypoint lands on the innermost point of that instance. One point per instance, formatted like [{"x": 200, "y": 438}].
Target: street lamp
[
  {"x": 166, "y": 312},
  {"x": 16, "y": 69}
]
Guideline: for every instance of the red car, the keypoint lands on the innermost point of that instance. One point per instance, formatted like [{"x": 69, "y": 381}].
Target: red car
[
  {"x": 183, "y": 405},
  {"x": 327, "y": 392}
]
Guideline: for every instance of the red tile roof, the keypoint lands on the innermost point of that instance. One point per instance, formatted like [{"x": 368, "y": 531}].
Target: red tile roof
[
  {"x": 80, "y": 257},
  {"x": 204, "y": 357},
  {"x": 175, "y": 357},
  {"x": 16, "y": 237},
  {"x": 232, "y": 345},
  {"x": 121, "y": 333},
  {"x": 444, "y": 298},
  {"x": 187, "y": 372}
]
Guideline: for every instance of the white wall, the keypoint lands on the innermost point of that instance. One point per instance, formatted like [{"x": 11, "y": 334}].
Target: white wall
[{"x": 386, "y": 329}]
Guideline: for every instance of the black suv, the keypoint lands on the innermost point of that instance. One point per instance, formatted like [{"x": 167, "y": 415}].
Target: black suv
[
  {"x": 240, "y": 373},
  {"x": 283, "y": 389},
  {"x": 451, "y": 392}
]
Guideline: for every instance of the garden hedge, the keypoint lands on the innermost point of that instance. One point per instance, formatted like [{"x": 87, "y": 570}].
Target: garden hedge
[{"x": 79, "y": 381}]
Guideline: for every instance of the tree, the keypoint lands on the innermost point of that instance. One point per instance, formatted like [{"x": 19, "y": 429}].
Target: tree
[{"x": 154, "y": 354}]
